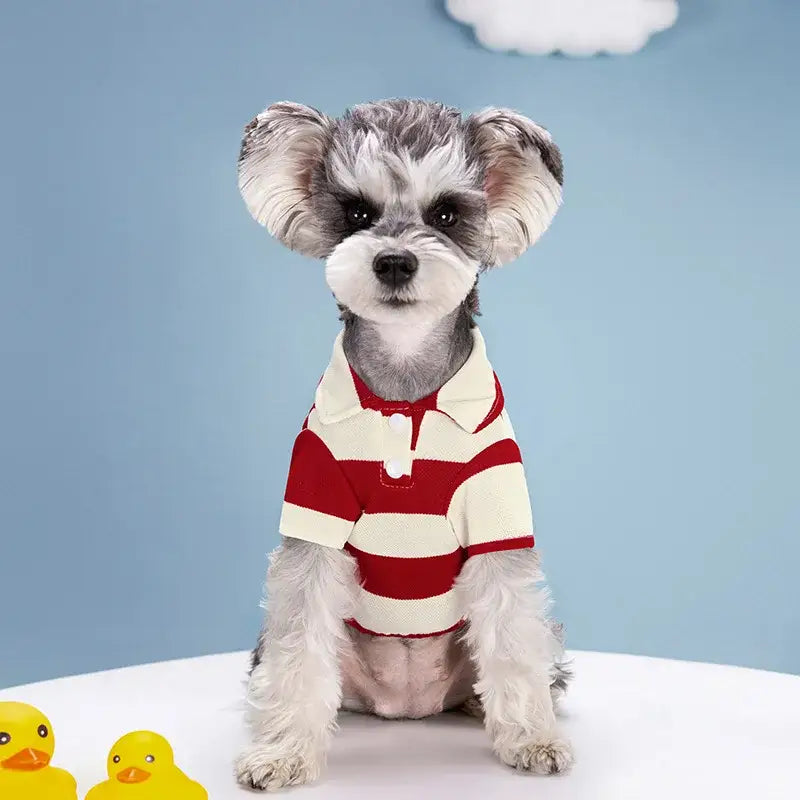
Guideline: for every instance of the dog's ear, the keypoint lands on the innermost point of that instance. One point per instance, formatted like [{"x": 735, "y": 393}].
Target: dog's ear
[
  {"x": 281, "y": 149},
  {"x": 523, "y": 177}
]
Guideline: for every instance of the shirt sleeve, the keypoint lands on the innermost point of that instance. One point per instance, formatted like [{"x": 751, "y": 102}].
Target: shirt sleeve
[
  {"x": 319, "y": 506},
  {"x": 490, "y": 509}
]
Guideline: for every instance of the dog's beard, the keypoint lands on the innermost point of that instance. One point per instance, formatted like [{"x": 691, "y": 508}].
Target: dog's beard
[{"x": 443, "y": 279}]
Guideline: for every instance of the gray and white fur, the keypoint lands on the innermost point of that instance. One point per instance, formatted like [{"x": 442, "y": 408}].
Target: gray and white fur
[{"x": 407, "y": 202}]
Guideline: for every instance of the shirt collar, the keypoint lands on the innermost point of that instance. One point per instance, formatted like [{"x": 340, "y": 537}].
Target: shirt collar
[{"x": 468, "y": 397}]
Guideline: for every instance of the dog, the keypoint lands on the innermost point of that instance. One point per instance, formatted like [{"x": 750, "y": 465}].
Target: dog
[{"x": 406, "y": 583}]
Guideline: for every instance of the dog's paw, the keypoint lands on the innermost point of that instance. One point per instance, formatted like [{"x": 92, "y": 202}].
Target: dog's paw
[
  {"x": 259, "y": 768},
  {"x": 473, "y": 707},
  {"x": 543, "y": 757}
]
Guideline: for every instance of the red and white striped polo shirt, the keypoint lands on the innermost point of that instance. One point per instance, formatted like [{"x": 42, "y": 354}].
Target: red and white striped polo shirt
[{"x": 410, "y": 489}]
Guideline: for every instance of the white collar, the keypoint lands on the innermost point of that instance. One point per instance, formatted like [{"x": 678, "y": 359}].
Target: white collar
[{"x": 467, "y": 397}]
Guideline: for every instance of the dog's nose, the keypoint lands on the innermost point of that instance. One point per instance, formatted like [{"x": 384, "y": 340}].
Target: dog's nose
[{"x": 395, "y": 268}]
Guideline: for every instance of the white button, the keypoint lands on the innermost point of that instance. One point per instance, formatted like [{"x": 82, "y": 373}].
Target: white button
[
  {"x": 397, "y": 422},
  {"x": 394, "y": 469}
]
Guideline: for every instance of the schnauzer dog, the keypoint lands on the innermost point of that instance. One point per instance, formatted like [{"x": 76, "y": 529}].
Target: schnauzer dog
[{"x": 406, "y": 583}]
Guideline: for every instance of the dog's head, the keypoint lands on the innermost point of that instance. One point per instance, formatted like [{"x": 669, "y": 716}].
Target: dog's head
[{"x": 406, "y": 200}]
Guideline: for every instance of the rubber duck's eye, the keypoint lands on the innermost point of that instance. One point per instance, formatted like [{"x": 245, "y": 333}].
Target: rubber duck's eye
[
  {"x": 42, "y": 731},
  {"x": 115, "y": 759},
  {"x": 149, "y": 759},
  {"x": 5, "y": 738}
]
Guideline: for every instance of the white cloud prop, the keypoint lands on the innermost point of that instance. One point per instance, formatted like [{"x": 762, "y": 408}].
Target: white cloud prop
[{"x": 572, "y": 27}]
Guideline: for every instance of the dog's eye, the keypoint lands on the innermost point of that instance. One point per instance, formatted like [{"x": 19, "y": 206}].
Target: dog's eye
[
  {"x": 443, "y": 215},
  {"x": 360, "y": 215}
]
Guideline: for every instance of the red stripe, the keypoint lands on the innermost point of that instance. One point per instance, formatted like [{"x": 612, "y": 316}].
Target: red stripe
[
  {"x": 417, "y": 415},
  {"x": 430, "y": 487},
  {"x": 316, "y": 480},
  {"x": 407, "y": 578},
  {"x": 506, "y": 451},
  {"x": 427, "y": 491},
  {"x": 497, "y": 406},
  {"x": 519, "y": 543},
  {"x": 353, "y": 624}
]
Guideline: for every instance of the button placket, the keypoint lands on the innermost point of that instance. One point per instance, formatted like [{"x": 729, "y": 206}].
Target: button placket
[{"x": 397, "y": 459}]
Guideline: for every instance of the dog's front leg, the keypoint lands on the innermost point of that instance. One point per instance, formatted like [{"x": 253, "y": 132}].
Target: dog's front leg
[
  {"x": 514, "y": 650},
  {"x": 294, "y": 691}
]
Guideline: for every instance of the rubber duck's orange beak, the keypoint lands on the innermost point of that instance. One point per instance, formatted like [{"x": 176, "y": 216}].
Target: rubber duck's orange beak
[
  {"x": 27, "y": 760},
  {"x": 132, "y": 775}
]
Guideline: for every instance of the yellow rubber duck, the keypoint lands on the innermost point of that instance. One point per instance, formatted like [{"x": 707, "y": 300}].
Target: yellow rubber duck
[
  {"x": 26, "y": 748},
  {"x": 141, "y": 766}
]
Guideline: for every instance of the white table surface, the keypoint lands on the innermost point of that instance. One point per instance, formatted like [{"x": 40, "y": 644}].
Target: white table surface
[{"x": 642, "y": 728}]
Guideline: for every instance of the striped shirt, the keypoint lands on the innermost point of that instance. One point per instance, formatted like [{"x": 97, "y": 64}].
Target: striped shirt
[{"x": 411, "y": 490}]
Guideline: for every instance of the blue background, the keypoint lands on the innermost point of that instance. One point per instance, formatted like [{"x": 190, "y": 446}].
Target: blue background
[{"x": 159, "y": 351}]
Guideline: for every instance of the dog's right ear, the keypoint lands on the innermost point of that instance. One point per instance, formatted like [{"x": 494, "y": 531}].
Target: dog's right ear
[
  {"x": 280, "y": 150},
  {"x": 523, "y": 179}
]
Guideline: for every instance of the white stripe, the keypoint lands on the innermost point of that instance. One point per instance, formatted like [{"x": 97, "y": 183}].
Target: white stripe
[
  {"x": 408, "y": 617},
  {"x": 404, "y": 535},
  {"x": 298, "y": 522},
  {"x": 368, "y": 437},
  {"x": 355, "y": 438},
  {"x": 491, "y": 506},
  {"x": 441, "y": 439}
]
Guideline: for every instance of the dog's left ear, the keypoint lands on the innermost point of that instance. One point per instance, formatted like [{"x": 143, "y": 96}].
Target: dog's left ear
[
  {"x": 280, "y": 150},
  {"x": 523, "y": 174}
]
